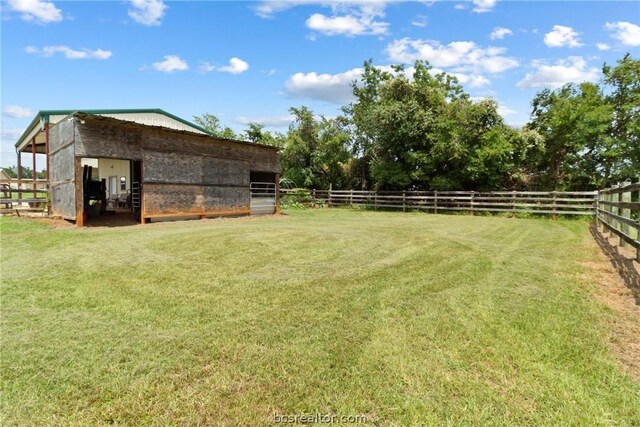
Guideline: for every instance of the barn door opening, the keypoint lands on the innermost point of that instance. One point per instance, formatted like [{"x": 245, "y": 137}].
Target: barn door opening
[{"x": 263, "y": 193}]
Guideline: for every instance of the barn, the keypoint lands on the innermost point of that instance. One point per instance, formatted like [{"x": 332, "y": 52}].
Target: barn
[{"x": 147, "y": 165}]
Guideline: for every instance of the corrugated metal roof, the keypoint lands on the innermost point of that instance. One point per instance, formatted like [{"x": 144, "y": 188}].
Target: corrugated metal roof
[{"x": 148, "y": 116}]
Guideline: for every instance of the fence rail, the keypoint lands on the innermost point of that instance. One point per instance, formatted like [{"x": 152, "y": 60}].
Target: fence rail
[
  {"x": 619, "y": 214},
  {"x": 23, "y": 195},
  {"x": 535, "y": 202}
]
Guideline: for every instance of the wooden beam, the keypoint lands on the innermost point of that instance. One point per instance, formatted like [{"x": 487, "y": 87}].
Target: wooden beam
[{"x": 79, "y": 193}]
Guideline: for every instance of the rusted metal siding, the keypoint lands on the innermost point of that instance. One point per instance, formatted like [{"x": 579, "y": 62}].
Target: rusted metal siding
[{"x": 62, "y": 174}]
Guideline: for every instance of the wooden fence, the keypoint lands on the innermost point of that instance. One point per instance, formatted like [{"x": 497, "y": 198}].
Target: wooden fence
[
  {"x": 23, "y": 195},
  {"x": 531, "y": 202},
  {"x": 619, "y": 214}
]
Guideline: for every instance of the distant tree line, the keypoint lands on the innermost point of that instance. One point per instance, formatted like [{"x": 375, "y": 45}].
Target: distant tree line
[{"x": 423, "y": 132}]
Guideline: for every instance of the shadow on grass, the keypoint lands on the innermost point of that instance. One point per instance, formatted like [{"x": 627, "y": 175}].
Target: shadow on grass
[{"x": 624, "y": 266}]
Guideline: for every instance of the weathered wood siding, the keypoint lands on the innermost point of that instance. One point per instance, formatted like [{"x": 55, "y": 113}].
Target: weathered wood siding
[
  {"x": 182, "y": 172},
  {"x": 62, "y": 170}
]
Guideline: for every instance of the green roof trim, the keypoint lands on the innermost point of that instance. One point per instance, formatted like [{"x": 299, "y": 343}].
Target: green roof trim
[{"x": 43, "y": 116}]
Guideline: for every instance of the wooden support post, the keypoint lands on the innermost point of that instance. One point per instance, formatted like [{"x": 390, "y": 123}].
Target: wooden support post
[
  {"x": 472, "y": 211},
  {"x": 435, "y": 201},
  {"x": 554, "y": 214},
  {"x": 34, "y": 174},
  {"x": 46, "y": 161},
  {"x": 614, "y": 209},
  {"x": 351, "y": 198},
  {"x": 79, "y": 193},
  {"x": 625, "y": 212},
  {"x": 375, "y": 201},
  {"x": 404, "y": 202},
  {"x": 278, "y": 193},
  {"x": 329, "y": 201},
  {"x": 19, "y": 177}
]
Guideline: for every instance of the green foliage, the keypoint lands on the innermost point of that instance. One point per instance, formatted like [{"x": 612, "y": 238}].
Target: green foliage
[
  {"x": 212, "y": 124},
  {"x": 257, "y": 134},
  {"x": 316, "y": 153},
  {"x": 424, "y": 132}
]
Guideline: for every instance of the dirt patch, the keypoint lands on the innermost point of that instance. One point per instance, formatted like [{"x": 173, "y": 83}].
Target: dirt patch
[{"x": 616, "y": 274}]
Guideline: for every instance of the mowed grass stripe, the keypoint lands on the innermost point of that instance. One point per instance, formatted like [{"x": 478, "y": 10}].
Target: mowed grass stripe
[{"x": 407, "y": 318}]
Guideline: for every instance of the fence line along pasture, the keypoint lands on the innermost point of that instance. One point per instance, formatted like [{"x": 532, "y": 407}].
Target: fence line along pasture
[
  {"x": 533, "y": 202},
  {"x": 619, "y": 214}
]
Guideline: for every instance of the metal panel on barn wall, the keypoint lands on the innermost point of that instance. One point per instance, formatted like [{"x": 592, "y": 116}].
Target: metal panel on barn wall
[
  {"x": 105, "y": 140},
  {"x": 263, "y": 198},
  {"x": 226, "y": 198},
  {"x": 62, "y": 170},
  {"x": 225, "y": 172},
  {"x": 170, "y": 167},
  {"x": 166, "y": 199}
]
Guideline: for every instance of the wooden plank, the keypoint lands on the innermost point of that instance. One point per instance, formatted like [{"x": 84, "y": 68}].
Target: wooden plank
[
  {"x": 622, "y": 189},
  {"x": 223, "y": 212},
  {"x": 628, "y": 239},
  {"x": 620, "y": 218},
  {"x": 628, "y": 205}
]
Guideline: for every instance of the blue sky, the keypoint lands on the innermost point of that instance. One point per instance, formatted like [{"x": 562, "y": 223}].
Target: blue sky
[{"x": 251, "y": 61}]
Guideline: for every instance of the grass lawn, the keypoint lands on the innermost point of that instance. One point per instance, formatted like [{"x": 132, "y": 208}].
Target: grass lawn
[{"x": 408, "y": 319}]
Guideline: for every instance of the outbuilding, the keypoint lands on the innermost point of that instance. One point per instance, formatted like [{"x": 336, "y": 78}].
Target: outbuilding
[{"x": 148, "y": 164}]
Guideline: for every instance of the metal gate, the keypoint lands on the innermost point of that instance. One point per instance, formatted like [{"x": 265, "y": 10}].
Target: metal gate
[{"x": 263, "y": 198}]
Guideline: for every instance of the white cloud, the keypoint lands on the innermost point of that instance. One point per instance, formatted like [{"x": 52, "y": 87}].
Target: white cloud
[
  {"x": 269, "y": 121},
  {"x": 69, "y": 53},
  {"x": 42, "y": 12},
  {"x": 625, "y": 32},
  {"x": 499, "y": 33},
  {"x": 333, "y": 88},
  {"x": 170, "y": 64},
  {"x": 147, "y": 12},
  {"x": 206, "y": 67},
  {"x": 17, "y": 112},
  {"x": 351, "y": 19},
  {"x": 481, "y": 6},
  {"x": 574, "y": 69},
  {"x": 461, "y": 56},
  {"x": 560, "y": 36},
  {"x": 419, "y": 21},
  {"x": 603, "y": 46},
  {"x": 236, "y": 66},
  {"x": 471, "y": 80},
  {"x": 460, "y": 6}
]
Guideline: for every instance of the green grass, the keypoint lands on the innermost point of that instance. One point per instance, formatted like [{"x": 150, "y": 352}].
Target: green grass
[{"x": 410, "y": 319}]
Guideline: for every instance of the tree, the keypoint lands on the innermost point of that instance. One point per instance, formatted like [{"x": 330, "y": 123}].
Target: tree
[
  {"x": 256, "y": 133},
  {"x": 423, "y": 132},
  {"x": 211, "y": 123},
  {"x": 622, "y": 157},
  {"x": 573, "y": 121},
  {"x": 316, "y": 152}
]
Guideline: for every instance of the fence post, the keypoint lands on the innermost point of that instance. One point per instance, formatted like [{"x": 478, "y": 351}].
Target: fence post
[
  {"x": 351, "y": 198},
  {"x": 329, "y": 201},
  {"x": 375, "y": 200},
  {"x": 615, "y": 198},
  {"x": 554, "y": 214},
  {"x": 404, "y": 202},
  {"x": 435, "y": 201},
  {"x": 513, "y": 201},
  {"x": 625, "y": 197},
  {"x": 472, "y": 205}
]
